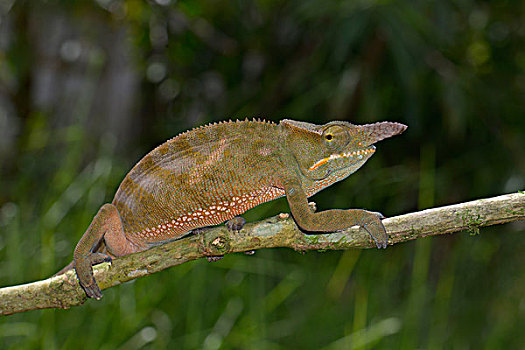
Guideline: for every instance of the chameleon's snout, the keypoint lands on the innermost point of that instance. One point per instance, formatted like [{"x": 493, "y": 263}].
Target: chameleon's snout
[{"x": 379, "y": 131}]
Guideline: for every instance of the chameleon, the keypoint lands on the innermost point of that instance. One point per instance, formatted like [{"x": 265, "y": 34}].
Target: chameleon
[{"x": 214, "y": 173}]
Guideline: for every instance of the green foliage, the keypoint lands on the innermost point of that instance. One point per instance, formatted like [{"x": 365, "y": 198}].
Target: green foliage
[{"x": 124, "y": 76}]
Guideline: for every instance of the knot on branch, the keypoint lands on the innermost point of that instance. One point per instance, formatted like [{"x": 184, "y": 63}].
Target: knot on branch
[{"x": 215, "y": 245}]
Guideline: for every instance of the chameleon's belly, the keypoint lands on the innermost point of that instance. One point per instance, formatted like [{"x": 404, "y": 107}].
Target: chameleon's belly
[{"x": 188, "y": 216}]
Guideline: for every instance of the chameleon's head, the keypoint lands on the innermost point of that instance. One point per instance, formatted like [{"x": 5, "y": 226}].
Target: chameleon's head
[{"x": 321, "y": 150}]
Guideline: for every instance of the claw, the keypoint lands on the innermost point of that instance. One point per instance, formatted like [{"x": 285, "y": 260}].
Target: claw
[{"x": 93, "y": 290}]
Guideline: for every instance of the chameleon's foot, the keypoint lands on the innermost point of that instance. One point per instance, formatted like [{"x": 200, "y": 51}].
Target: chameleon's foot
[
  {"x": 373, "y": 225},
  {"x": 214, "y": 258},
  {"x": 312, "y": 206},
  {"x": 86, "y": 279},
  {"x": 236, "y": 224},
  {"x": 99, "y": 258},
  {"x": 92, "y": 290},
  {"x": 84, "y": 270}
]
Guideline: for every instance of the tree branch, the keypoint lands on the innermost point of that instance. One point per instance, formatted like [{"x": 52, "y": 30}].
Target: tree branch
[{"x": 63, "y": 291}]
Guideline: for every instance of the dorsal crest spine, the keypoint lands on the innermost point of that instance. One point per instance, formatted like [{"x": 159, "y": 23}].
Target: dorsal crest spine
[{"x": 224, "y": 122}]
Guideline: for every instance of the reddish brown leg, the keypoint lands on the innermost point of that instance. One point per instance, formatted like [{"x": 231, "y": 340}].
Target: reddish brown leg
[{"x": 107, "y": 226}]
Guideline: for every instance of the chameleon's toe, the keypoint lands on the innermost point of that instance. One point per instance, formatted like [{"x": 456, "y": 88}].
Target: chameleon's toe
[
  {"x": 98, "y": 258},
  {"x": 379, "y": 237},
  {"x": 93, "y": 290},
  {"x": 376, "y": 229},
  {"x": 236, "y": 224}
]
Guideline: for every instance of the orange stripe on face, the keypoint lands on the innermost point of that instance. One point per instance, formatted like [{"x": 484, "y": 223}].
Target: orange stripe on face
[
  {"x": 323, "y": 161},
  {"x": 353, "y": 154}
]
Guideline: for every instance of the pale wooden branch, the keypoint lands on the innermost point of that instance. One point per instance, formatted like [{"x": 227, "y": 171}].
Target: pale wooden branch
[{"x": 280, "y": 231}]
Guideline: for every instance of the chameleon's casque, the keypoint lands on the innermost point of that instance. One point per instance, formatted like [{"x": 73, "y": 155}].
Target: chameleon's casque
[{"x": 214, "y": 173}]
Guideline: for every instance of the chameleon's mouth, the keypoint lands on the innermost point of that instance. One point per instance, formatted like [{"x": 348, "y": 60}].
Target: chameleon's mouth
[{"x": 352, "y": 156}]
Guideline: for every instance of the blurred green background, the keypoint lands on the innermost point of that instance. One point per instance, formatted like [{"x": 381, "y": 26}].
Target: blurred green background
[{"x": 87, "y": 88}]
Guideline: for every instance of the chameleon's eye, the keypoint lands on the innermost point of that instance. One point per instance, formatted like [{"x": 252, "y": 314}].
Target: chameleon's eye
[{"x": 334, "y": 136}]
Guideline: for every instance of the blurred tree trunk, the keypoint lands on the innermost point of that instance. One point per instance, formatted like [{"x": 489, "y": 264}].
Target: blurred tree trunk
[
  {"x": 80, "y": 70},
  {"x": 83, "y": 71}
]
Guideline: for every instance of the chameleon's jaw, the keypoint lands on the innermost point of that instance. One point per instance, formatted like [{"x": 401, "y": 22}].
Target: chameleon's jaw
[
  {"x": 359, "y": 154},
  {"x": 346, "y": 157}
]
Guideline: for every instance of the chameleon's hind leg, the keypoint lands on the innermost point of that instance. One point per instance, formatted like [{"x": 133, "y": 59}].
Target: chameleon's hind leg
[{"x": 106, "y": 228}]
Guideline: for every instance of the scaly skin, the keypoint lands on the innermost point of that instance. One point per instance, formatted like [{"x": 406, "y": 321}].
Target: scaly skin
[{"x": 214, "y": 173}]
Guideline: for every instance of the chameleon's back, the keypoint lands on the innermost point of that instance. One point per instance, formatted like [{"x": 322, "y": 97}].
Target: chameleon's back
[{"x": 202, "y": 177}]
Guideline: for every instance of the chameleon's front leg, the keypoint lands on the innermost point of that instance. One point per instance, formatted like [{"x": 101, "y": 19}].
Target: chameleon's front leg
[
  {"x": 334, "y": 219},
  {"x": 107, "y": 226}
]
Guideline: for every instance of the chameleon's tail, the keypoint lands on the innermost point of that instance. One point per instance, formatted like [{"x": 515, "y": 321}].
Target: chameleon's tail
[{"x": 65, "y": 269}]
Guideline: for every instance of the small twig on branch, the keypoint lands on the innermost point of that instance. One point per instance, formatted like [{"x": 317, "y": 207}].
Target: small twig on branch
[{"x": 280, "y": 231}]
